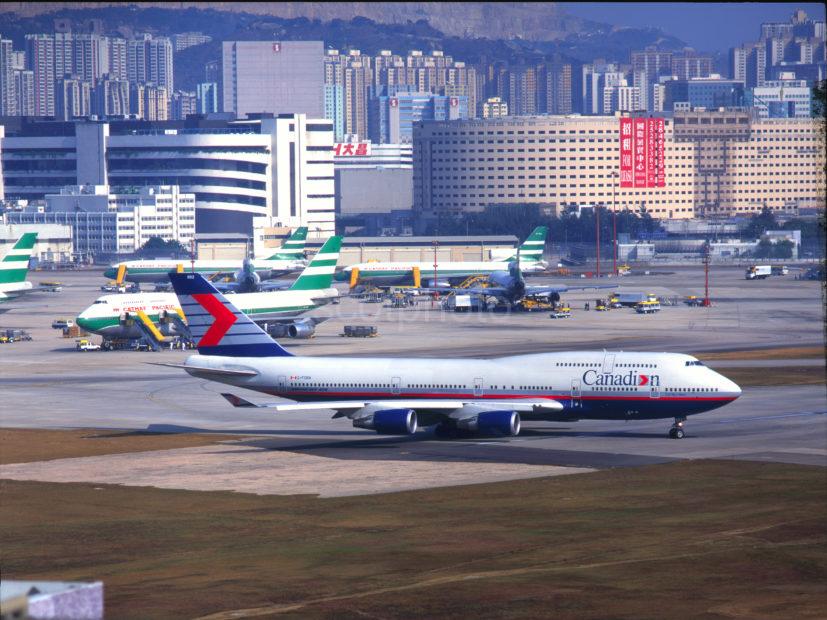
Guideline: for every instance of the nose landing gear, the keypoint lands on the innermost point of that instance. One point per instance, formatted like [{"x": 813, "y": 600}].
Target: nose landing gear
[{"x": 677, "y": 432}]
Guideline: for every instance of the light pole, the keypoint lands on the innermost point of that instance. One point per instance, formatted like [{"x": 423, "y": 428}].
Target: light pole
[
  {"x": 436, "y": 294},
  {"x": 614, "y": 220}
]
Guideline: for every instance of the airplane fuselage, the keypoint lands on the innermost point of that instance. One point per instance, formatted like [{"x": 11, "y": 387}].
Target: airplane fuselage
[
  {"x": 157, "y": 270},
  {"x": 402, "y": 271},
  {"x": 589, "y": 385},
  {"x": 106, "y": 316}
]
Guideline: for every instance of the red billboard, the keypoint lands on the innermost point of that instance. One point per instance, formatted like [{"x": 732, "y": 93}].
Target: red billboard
[
  {"x": 351, "y": 149},
  {"x": 642, "y": 152}
]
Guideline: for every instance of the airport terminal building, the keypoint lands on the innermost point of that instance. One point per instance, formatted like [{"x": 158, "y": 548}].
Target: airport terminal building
[
  {"x": 277, "y": 166},
  {"x": 713, "y": 163}
]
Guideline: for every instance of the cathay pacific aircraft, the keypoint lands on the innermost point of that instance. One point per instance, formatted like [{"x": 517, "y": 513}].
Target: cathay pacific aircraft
[
  {"x": 397, "y": 395},
  {"x": 107, "y": 315},
  {"x": 446, "y": 272},
  {"x": 288, "y": 259},
  {"x": 15, "y": 266}
]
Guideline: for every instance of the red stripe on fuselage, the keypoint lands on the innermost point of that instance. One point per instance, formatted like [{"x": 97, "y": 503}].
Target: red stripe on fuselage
[{"x": 388, "y": 395}]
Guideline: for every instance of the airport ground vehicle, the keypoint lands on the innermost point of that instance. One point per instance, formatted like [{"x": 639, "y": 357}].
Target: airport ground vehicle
[
  {"x": 757, "y": 272},
  {"x": 647, "y": 307},
  {"x": 600, "y": 305},
  {"x": 85, "y": 344},
  {"x": 630, "y": 299},
  {"x": 464, "y": 303},
  {"x": 14, "y": 335},
  {"x": 53, "y": 287},
  {"x": 359, "y": 331},
  {"x": 693, "y": 300},
  {"x": 562, "y": 312},
  {"x": 62, "y": 323},
  {"x": 486, "y": 396},
  {"x": 780, "y": 270}
]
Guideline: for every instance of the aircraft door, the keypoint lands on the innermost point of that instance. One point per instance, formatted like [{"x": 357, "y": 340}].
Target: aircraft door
[
  {"x": 609, "y": 363},
  {"x": 395, "y": 389},
  {"x": 575, "y": 394},
  {"x": 282, "y": 384},
  {"x": 477, "y": 386},
  {"x": 654, "y": 390}
]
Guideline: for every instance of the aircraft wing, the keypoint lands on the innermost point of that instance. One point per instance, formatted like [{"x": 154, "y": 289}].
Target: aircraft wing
[
  {"x": 562, "y": 288},
  {"x": 446, "y": 406}
]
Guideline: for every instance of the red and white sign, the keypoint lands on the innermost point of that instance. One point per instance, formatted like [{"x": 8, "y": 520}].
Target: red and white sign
[
  {"x": 642, "y": 144},
  {"x": 276, "y": 48},
  {"x": 454, "y": 102},
  {"x": 351, "y": 149},
  {"x": 393, "y": 102}
]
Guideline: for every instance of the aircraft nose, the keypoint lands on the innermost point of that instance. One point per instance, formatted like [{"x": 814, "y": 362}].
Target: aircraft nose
[
  {"x": 109, "y": 273},
  {"x": 730, "y": 387}
]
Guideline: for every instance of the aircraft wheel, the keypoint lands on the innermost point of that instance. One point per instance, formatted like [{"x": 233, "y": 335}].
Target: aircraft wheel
[{"x": 679, "y": 434}]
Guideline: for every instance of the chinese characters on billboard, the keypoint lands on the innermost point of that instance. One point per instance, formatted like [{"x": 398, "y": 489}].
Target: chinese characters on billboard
[
  {"x": 642, "y": 144},
  {"x": 351, "y": 149}
]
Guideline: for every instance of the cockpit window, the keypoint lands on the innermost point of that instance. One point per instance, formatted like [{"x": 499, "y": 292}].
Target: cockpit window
[
  {"x": 695, "y": 363},
  {"x": 100, "y": 301}
]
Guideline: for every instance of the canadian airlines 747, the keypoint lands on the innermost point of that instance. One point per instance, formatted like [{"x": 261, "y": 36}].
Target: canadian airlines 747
[{"x": 396, "y": 395}]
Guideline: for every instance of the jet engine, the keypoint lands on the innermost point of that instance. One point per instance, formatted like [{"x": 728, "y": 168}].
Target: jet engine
[
  {"x": 437, "y": 284},
  {"x": 493, "y": 423},
  {"x": 389, "y": 422},
  {"x": 301, "y": 329},
  {"x": 247, "y": 279}
]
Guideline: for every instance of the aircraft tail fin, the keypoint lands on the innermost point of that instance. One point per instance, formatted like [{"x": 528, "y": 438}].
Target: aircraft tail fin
[
  {"x": 531, "y": 250},
  {"x": 319, "y": 273},
  {"x": 15, "y": 265},
  {"x": 217, "y": 326},
  {"x": 293, "y": 248}
]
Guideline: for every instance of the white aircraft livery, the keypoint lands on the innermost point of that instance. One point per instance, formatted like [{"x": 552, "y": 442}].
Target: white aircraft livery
[{"x": 396, "y": 395}]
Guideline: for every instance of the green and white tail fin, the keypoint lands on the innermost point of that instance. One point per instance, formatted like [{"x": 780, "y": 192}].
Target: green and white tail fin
[
  {"x": 531, "y": 251},
  {"x": 15, "y": 264},
  {"x": 293, "y": 248},
  {"x": 319, "y": 273}
]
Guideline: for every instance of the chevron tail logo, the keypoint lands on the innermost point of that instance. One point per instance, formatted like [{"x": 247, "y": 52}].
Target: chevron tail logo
[
  {"x": 224, "y": 319},
  {"x": 644, "y": 379}
]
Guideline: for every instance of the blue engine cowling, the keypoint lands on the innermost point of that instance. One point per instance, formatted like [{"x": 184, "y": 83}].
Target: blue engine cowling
[
  {"x": 390, "y": 422},
  {"x": 499, "y": 423}
]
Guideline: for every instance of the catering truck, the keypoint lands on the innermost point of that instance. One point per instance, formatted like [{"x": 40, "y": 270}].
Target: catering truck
[{"x": 758, "y": 272}]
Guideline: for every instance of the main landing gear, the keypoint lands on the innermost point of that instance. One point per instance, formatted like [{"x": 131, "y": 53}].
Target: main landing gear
[{"x": 677, "y": 432}]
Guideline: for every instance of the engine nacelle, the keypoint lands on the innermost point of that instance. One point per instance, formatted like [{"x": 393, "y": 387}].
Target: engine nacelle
[
  {"x": 302, "y": 329},
  {"x": 437, "y": 284},
  {"x": 390, "y": 422},
  {"x": 493, "y": 423}
]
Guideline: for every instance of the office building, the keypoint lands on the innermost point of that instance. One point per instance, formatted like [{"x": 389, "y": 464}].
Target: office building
[
  {"x": 786, "y": 98},
  {"x": 183, "y": 104},
  {"x": 206, "y": 98},
  {"x": 688, "y": 64},
  {"x": 277, "y": 167},
  {"x": 710, "y": 93},
  {"x": 714, "y": 163},
  {"x": 277, "y": 77},
  {"x": 393, "y": 116}
]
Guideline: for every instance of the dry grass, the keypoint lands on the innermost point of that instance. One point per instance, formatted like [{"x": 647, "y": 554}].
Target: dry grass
[
  {"x": 782, "y": 353},
  {"x": 782, "y": 375},
  {"x": 688, "y": 539},
  {"x": 28, "y": 446}
]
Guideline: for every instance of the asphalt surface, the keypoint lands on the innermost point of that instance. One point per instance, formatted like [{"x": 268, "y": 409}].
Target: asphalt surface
[{"x": 47, "y": 384}]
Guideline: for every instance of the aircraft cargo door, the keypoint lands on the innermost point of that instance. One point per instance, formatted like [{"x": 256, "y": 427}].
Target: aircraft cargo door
[{"x": 478, "y": 386}]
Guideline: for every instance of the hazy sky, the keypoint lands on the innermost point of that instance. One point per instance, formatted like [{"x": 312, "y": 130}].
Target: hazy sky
[{"x": 704, "y": 26}]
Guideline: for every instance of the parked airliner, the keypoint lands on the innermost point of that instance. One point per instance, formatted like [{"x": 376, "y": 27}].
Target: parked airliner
[{"x": 396, "y": 395}]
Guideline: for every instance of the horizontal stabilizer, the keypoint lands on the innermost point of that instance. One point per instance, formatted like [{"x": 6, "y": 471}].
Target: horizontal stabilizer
[
  {"x": 237, "y": 401},
  {"x": 227, "y": 372}
]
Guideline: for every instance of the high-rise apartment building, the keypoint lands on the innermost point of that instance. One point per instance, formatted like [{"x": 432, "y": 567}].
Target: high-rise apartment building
[
  {"x": 182, "y": 105},
  {"x": 117, "y": 59},
  {"x": 111, "y": 98},
  {"x": 494, "y": 107},
  {"x": 8, "y": 97},
  {"x": 279, "y": 77},
  {"x": 24, "y": 92},
  {"x": 184, "y": 40},
  {"x": 40, "y": 59},
  {"x": 73, "y": 98},
  {"x": 748, "y": 64},
  {"x": 689, "y": 64},
  {"x": 149, "y": 61}
]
